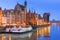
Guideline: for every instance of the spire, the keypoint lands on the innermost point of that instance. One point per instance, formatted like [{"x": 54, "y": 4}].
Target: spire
[
  {"x": 25, "y": 3},
  {"x": 29, "y": 11},
  {"x": 5, "y": 9},
  {"x": 18, "y": 3},
  {"x": 34, "y": 11}
]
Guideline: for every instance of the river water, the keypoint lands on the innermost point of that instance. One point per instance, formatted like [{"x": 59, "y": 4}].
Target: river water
[{"x": 51, "y": 32}]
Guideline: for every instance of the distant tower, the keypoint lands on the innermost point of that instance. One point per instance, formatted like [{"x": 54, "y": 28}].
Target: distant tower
[
  {"x": 0, "y": 16},
  {"x": 46, "y": 17}
]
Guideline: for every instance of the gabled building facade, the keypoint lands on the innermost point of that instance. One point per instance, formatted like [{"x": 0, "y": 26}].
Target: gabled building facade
[{"x": 19, "y": 15}]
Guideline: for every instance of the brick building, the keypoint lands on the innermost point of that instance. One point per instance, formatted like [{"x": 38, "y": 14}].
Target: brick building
[{"x": 19, "y": 15}]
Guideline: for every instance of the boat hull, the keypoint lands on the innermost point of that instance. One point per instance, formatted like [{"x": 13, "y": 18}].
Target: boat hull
[{"x": 16, "y": 32}]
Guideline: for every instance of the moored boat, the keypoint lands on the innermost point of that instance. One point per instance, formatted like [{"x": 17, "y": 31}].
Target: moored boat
[{"x": 18, "y": 29}]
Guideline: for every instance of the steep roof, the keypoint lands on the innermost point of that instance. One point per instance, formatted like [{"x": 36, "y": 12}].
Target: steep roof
[{"x": 19, "y": 6}]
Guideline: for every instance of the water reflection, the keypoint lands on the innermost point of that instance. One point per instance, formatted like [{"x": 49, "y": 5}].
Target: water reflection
[
  {"x": 39, "y": 34},
  {"x": 55, "y": 32},
  {"x": 15, "y": 36},
  {"x": 43, "y": 33}
]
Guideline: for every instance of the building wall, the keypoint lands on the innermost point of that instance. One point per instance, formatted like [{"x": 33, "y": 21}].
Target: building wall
[
  {"x": 0, "y": 16},
  {"x": 39, "y": 21},
  {"x": 8, "y": 18},
  {"x": 4, "y": 20},
  {"x": 19, "y": 15},
  {"x": 31, "y": 17},
  {"x": 12, "y": 17},
  {"x": 16, "y": 18}
]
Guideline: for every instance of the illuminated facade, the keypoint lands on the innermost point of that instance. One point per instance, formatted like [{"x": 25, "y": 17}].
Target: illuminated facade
[
  {"x": 31, "y": 17},
  {"x": 4, "y": 20},
  {"x": 39, "y": 20},
  {"x": 16, "y": 15},
  {"x": 19, "y": 15},
  {"x": 0, "y": 16}
]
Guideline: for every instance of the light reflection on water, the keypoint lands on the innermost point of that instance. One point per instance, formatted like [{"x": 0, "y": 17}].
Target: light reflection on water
[
  {"x": 40, "y": 34},
  {"x": 44, "y": 33}
]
